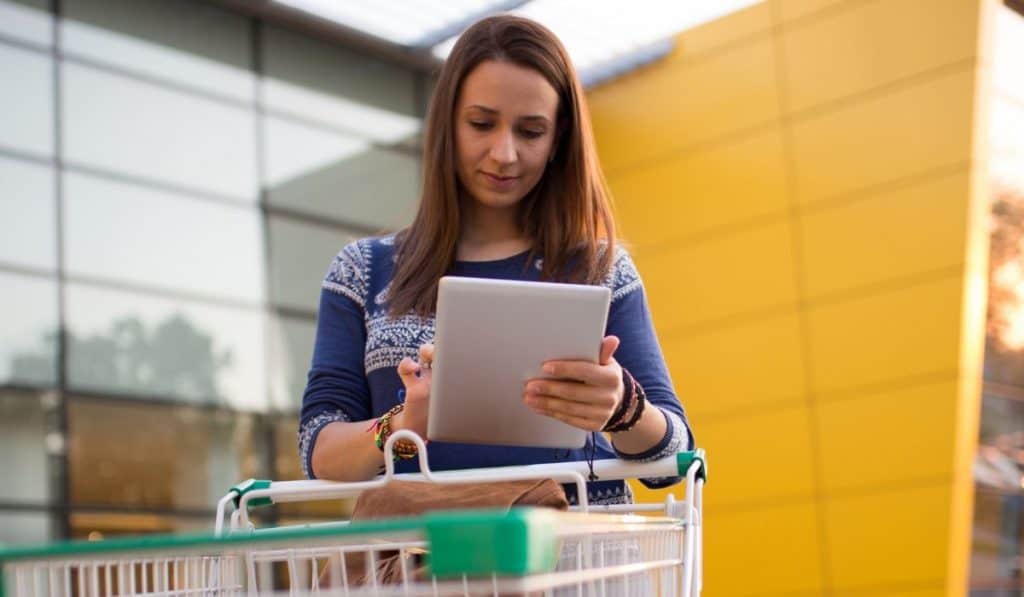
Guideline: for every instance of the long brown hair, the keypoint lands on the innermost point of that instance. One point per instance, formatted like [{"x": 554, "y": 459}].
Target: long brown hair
[{"x": 567, "y": 214}]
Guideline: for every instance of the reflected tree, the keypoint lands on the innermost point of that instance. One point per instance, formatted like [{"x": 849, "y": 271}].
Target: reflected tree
[
  {"x": 1004, "y": 350},
  {"x": 999, "y": 463},
  {"x": 174, "y": 358}
]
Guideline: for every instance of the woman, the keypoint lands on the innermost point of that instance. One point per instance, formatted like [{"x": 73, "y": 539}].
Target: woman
[{"x": 512, "y": 189}]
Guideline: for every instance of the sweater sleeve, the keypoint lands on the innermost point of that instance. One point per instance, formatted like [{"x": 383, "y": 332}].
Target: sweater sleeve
[
  {"x": 336, "y": 387},
  {"x": 639, "y": 352}
]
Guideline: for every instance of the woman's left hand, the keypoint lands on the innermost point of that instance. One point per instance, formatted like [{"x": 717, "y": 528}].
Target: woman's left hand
[{"x": 584, "y": 395}]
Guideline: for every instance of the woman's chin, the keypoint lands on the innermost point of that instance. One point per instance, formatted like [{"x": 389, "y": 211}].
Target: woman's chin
[{"x": 497, "y": 200}]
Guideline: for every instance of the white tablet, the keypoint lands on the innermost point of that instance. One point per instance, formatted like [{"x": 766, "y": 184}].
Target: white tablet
[{"x": 494, "y": 335}]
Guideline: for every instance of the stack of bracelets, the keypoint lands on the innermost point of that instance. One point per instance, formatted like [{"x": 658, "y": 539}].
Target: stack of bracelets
[
  {"x": 382, "y": 431},
  {"x": 632, "y": 406},
  {"x": 624, "y": 418}
]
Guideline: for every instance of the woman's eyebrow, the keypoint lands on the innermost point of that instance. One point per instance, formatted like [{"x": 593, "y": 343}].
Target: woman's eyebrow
[{"x": 536, "y": 117}]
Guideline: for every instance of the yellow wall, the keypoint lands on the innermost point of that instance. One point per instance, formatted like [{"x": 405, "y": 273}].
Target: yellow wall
[{"x": 798, "y": 183}]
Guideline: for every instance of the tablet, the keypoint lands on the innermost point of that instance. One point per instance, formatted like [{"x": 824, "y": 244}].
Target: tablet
[{"x": 494, "y": 335}]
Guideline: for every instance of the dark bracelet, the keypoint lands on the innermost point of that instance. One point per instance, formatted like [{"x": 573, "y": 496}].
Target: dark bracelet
[
  {"x": 628, "y": 397},
  {"x": 625, "y": 403},
  {"x": 641, "y": 402}
]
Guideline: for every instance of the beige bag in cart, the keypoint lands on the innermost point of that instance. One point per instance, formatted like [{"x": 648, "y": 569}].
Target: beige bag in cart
[{"x": 408, "y": 498}]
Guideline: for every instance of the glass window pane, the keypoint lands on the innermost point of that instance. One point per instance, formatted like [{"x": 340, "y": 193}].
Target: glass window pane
[
  {"x": 292, "y": 353},
  {"x": 191, "y": 43},
  {"x": 1008, "y": 40},
  {"x": 177, "y": 242},
  {"x": 27, "y": 21},
  {"x": 336, "y": 86},
  {"x": 25, "y": 465},
  {"x": 999, "y": 500},
  {"x": 141, "y": 129},
  {"x": 299, "y": 257},
  {"x": 317, "y": 171},
  {"x": 27, "y": 123},
  {"x": 1004, "y": 341},
  {"x": 24, "y": 528},
  {"x": 28, "y": 219},
  {"x": 97, "y": 525},
  {"x": 138, "y": 344},
  {"x": 133, "y": 454},
  {"x": 28, "y": 328}
]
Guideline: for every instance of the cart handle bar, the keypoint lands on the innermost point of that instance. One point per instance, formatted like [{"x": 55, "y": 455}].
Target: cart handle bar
[{"x": 260, "y": 492}]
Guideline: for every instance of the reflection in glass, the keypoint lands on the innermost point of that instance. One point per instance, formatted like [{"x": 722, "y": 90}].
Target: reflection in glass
[
  {"x": 997, "y": 563},
  {"x": 323, "y": 173},
  {"x": 28, "y": 328},
  {"x": 96, "y": 525},
  {"x": 999, "y": 503},
  {"x": 26, "y": 124},
  {"x": 1006, "y": 143},
  {"x": 300, "y": 255},
  {"x": 27, "y": 214},
  {"x": 292, "y": 349},
  {"x": 140, "y": 129},
  {"x": 138, "y": 344},
  {"x": 27, "y": 21},
  {"x": 196, "y": 45},
  {"x": 23, "y": 429},
  {"x": 337, "y": 86},
  {"x": 1006, "y": 56},
  {"x": 1004, "y": 351},
  {"x": 365, "y": 120},
  {"x": 133, "y": 454},
  {"x": 176, "y": 242},
  {"x": 24, "y": 528}
]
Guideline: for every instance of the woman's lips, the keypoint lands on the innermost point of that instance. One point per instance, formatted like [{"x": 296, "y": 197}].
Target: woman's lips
[{"x": 500, "y": 183}]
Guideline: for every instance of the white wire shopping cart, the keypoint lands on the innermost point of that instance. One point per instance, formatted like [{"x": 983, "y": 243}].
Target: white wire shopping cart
[{"x": 595, "y": 550}]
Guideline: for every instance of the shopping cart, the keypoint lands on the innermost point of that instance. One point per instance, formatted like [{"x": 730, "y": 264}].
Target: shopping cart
[{"x": 592, "y": 550}]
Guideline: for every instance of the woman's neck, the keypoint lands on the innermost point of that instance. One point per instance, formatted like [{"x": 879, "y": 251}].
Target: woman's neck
[{"x": 488, "y": 234}]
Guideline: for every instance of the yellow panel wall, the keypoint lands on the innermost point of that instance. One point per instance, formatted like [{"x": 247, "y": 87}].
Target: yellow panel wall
[{"x": 798, "y": 184}]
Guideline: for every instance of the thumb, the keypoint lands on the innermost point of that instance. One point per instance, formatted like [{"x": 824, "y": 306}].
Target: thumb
[
  {"x": 608, "y": 347},
  {"x": 407, "y": 370}
]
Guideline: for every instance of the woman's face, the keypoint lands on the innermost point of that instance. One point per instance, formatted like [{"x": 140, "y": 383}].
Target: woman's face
[{"x": 505, "y": 131}]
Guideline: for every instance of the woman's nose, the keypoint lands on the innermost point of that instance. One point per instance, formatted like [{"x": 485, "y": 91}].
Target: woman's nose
[{"x": 503, "y": 148}]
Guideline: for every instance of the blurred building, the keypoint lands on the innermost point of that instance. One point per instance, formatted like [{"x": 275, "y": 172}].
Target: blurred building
[
  {"x": 175, "y": 179},
  {"x": 843, "y": 317}
]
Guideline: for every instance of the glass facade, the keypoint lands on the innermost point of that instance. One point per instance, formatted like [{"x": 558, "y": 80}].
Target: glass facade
[
  {"x": 176, "y": 179},
  {"x": 997, "y": 566}
]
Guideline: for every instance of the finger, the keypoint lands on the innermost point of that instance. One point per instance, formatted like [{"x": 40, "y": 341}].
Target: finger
[
  {"x": 407, "y": 370},
  {"x": 608, "y": 347},
  {"x": 582, "y": 371},
  {"x": 427, "y": 353},
  {"x": 569, "y": 408},
  {"x": 586, "y": 423},
  {"x": 572, "y": 391}
]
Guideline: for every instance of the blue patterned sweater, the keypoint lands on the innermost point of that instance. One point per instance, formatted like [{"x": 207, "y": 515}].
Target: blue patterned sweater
[{"x": 358, "y": 346}]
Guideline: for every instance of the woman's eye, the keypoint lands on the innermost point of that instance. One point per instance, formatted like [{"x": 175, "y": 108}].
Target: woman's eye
[
  {"x": 480, "y": 126},
  {"x": 532, "y": 134}
]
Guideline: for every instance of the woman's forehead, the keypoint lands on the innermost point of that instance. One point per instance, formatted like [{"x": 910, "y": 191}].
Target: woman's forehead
[{"x": 508, "y": 90}]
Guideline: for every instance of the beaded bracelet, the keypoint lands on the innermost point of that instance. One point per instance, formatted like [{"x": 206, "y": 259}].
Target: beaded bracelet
[{"x": 382, "y": 431}]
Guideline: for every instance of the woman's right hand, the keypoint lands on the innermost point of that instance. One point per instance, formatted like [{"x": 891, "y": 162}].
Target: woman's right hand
[{"x": 416, "y": 378}]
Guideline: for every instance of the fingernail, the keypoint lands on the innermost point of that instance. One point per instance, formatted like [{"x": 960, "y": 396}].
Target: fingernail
[{"x": 549, "y": 369}]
